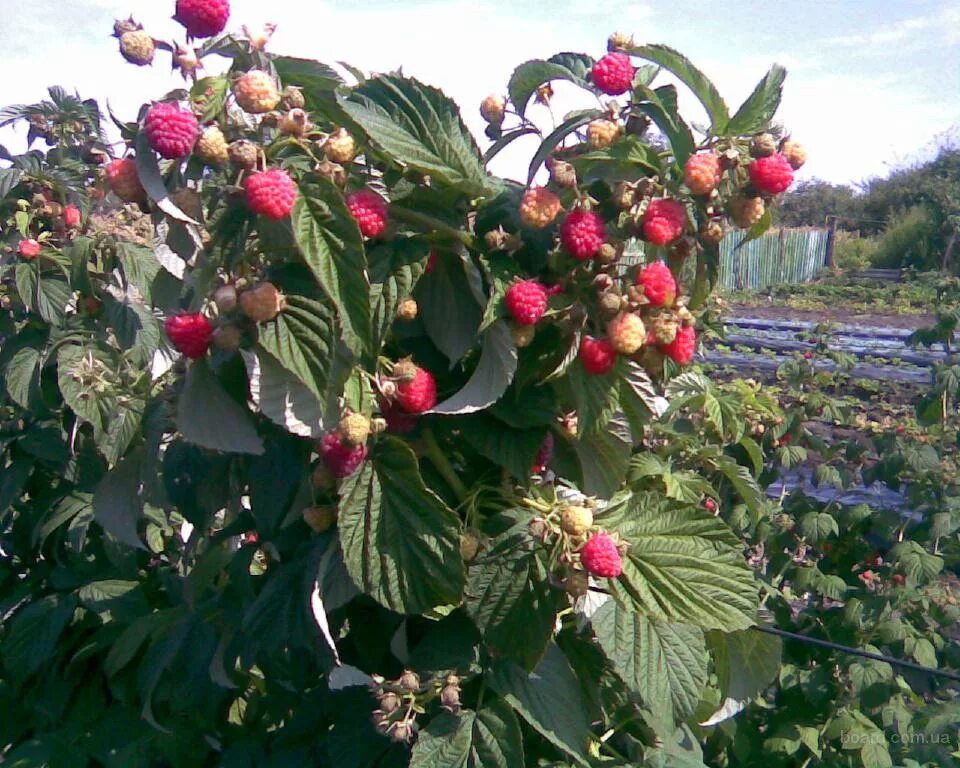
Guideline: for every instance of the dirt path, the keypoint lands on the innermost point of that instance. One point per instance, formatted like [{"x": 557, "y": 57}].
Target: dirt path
[{"x": 906, "y": 322}]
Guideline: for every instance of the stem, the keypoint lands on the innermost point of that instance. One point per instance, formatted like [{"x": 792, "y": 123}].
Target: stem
[
  {"x": 431, "y": 223},
  {"x": 439, "y": 460}
]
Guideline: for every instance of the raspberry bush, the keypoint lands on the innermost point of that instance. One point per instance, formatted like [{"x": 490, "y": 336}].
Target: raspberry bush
[{"x": 294, "y": 415}]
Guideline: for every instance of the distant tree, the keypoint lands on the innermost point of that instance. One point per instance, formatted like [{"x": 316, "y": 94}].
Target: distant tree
[{"x": 812, "y": 201}]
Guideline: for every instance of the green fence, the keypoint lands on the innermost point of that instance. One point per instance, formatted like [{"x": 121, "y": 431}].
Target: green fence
[{"x": 776, "y": 258}]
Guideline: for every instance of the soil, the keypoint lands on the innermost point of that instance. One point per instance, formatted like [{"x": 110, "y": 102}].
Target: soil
[{"x": 878, "y": 320}]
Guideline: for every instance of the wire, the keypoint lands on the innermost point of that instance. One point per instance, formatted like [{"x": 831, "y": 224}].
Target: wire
[{"x": 858, "y": 652}]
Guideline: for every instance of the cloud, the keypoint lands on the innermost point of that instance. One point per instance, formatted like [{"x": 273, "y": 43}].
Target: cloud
[{"x": 940, "y": 28}]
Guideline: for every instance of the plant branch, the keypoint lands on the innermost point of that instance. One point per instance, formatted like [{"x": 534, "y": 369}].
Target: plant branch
[{"x": 440, "y": 462}]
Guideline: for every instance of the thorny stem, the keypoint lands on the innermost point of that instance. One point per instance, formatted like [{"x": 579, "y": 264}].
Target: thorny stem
[
  {"x": 431, "y": 223},
  {"x": 442, "y": 465}
]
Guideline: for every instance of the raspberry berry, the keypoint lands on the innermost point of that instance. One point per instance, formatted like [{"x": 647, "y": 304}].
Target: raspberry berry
[
  {"x": 171, "y": 131},
  {"x": 544, "y": 455},
  {"x": 256, "y": 92},
  {"x": 354, "y": 428},
  {"x": 492, "y": 109},
  {"x": 626, "y": 333},
  {"x": 702, "y": 173},
  {"x": 203, "y": 18},
  {"x": 613, "y": 74},
  {"x": 795, "y": 153},
  {"x": 124, "y": 181},
  {"x": 212, "y": 147},
  {"x": 29, "y": 249},
  {"x": 664, "y": 221},
  {"x": 369, "y": 210},
  {"x": 763, "y": 145},
  {"x": 582, "y": 234},
  {"x": 341, "y": 458},
  {"x": 539, "y": 207},
  {"x": 137, "y": 47},
  {"x": 772, "y": 174},
  {"x": 576, "y": 520},
  {"x": 663, "y": 325},
  {"x": 190, "y": 334},
  {"x": 340, "y": 147},
  {"x": 597, "y": 355},
  {"x": 526, "y": 301},
  {"x": 602, "y": 133},
  {"x": 746, "y": 211},
  {"x": 243, "y": 154},
  {"x": 262, "y": 303},
  {"x": 72, "y": 216},
  {"x": 683, "y": 347},
  {"x": 659, "y": 284},
  {"x": 416, "y": 389},
  {"x": 600, "y": 557},
  {"x": 271, "y": 193}
]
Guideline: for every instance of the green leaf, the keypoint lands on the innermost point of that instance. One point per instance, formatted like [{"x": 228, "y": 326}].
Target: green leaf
[
  {"x": 30, "y": 639},
  {"x": 395, "y": 269},
  {"x": 212, "y": 93},
  {"x": 122, "y": 427},
  {"x": 745, "y": 663},
  {"x": 757, "y": 230},
  {"x": 505, "y": 445},
  {"x": 333, "y": 248},
  {"x": 510, "y": 599},
  {"x": 207, "y": 416},
  {"x": 758, "y": 110},
  {"x": 675, "y": 62},
  {"x": 493, "y": 374},
  {"x": 629, "y": 159},
  {"x": 918, "y": 565},
  {"x": 418, "y": 126},
  {"x": 574, "y": 121},
  {"x": 660, "y": 105},
  {"x": 743, "y": 483},
  {"x": 21, "y": 377},
  {"x": 817, "y": 527},
  {"x": 685, "y": 566},
  {"x": 9, "y": 178},
  {"x": 666, "y": 664},
  {"x": 149, "y": 171},
  {"x": 47, "y": 294},
  {"x": 489, "y": 738},
  {"x": 449, "y": 307},
  {"x": 76, "y": 369},
  {"x": 118, "y": 501},
  {"x": 876, "y": 754},
  {"x": 549, "y": 699},
  {"x": 603, "y": 458},
  {"x": 316, "y": 79},
  {"x": 282, "y": 397},
  {"x": 532, "y": 74},
  {"x": 401, "y": 543}
]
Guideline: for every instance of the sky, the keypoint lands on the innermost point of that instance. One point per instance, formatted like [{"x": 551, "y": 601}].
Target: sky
[{"x": 872, "y": 84}]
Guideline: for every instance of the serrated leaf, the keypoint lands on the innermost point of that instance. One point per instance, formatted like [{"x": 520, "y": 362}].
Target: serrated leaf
[
  {"x": 47, "y": 294},
  {"x": 333, "y": 248},
  {"x": 9, "y": 178},
  {"x": 817, "y": 527},
  {"x": 419, "y": 127},
  {"x": 573, "y": 122},
  {"x": 760, "y": 106},
  {"x": 118, "y": 501},
  {"x": 509, "y": 447},
  {"x": 745, "y": 662},
  {"x": 21, "y": 378},
  {"x": 489, "y": 738},
  {"x": 30, "y": 637},
  {"x": 121, "y": 429},
  {"x": 211, "y": 93},
  {"x": 666, "y": 664},
  {"x": 603, "y": 458},
  {"x": 148, "y": 170},
  {"x": 532, "y": 74},
  {"x": 660, "y": 105},
  {"x": 207, "y": 416},
  {"x": 448, "y": 306},
  {"x": 757, "y": 230},
  {"x": 81, "y": 395},
  {"x": 401, "y": 543},
  {"x": 282, "y": 397},
  {"x": 876, "y": 754},
  {"x": 490, "y": 379},
  {"x": 918, "y": 565},
  {"x": 395, "y": 269}
]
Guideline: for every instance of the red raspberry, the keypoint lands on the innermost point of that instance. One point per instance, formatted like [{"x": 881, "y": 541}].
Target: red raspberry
[
  {"x": 398, "y": 422},
  {"x": 543, "y": 455},
  {"x": 600, "y": 557},
  {"x": 341, "y": 458},
  {"x": 539, "y": 207},
  {"x": 203, "y": 18},
  {"x": 681, "y": 349},
  {"x": 597, "y": 355},
  {"x": 418, "y": 393},
  {"x": 171, "y": 131},
  {"x": 702, "y": 173},
  {"x": 190, "y": 333},
  {"x": 582, "y": 234},
  {"x": 29, "y": 249},
  {"x": 271, "y": 193},
  {"x": 370, "y": 211},
  {"x": 613, "y": 74},
  {"x": 526, "y": 301},
  {"x": 664, "y": 221},
  {"x": 124, "y": 180},
  {"x": 431, "y": 261},
  {"x": 72, "y": 216},
  {"x": 659, "y": 285},
  {"x": 710, "y": 504},
  {"x": 772, "y": 174}
]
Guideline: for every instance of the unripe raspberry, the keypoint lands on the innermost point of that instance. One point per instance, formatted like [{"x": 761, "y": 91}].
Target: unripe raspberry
[
  {"x": 683, "y": 248},
  {"x": 613, "y": 74},
  {"x": 702, "y": 173},
  {"x": 626, "y": 333},
  {"x": 602, "y": 133},
  {"x": 492, "y": 109},
  {"x": 340, "y": 147},
  {"x": 712, "y": 232},
  {"x": 575, "y": 520},
  {"x": 526, "y": 301},
  {"x": 408, "y": 310},
  {"x": 212, "y": 147},
  {"x": 601, "y": 557},
  {"x": 322, "y": 479},
  {"x": 597, "y": 355},
  {"x": 137, "y": 47},
  {"x": 124, "y": 181},
  {"x": 186, "y": 60},
  {"x": 72, "y": 217},
  {"x": 294, "y": 123},
  {"x": 243, "y": 154},
  {"x": 539, "y": 207},
  {"x": 544, "y": 455},
  {"x": 469, "y": 546},
  {"x": 620, "y": 41},
  {"x": 190, "y": 334},
  {"x": 562, "y": 173},
  {"x": 608, "y": 254},
  {"x": 262, "y": 303},
  {"x": 171, "y": 131},
  {"x": 746, "y": 211},
  {"x": 625, "y": 195},
  {"x": 664, "y": 221},
  {"x": 582, "y": 234},
  {"x": 29, "y": 249},
  {"x": 341, "y": 458},
  {"x": 320, "y": 519},
  {"x": 795, "y": 153},
  {"x": 610, "y": 303},
  {"x": 418, "y": 393},
  {"x": 772, "y": 174},
  {"x": 369, "y": 210},
  {"x": 227, "y": 338},
  {"x": 271, "y": 193},
  {"x": 523, "y": 335},
  {"x": 683, "y": 347},
  {"x": 333, "y": 172},
  {"x": 409, "y": 681},
  {"x": 354, "y": 428},
  {"x": 203, "y": 18},
  {"x": 659, "y": 284},
  {"x": 577, "y": 584},
  {"x": 256, "y": 92},
  {"x": 663, "y": 325},
  {"x": 293, "y": 97},
  {"x": 763, "y": 145},
  {"x": 225, "y": 297}
]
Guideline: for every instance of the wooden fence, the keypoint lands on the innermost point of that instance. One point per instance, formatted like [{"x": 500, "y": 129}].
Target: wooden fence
[{"x": 779, "y": 257}]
